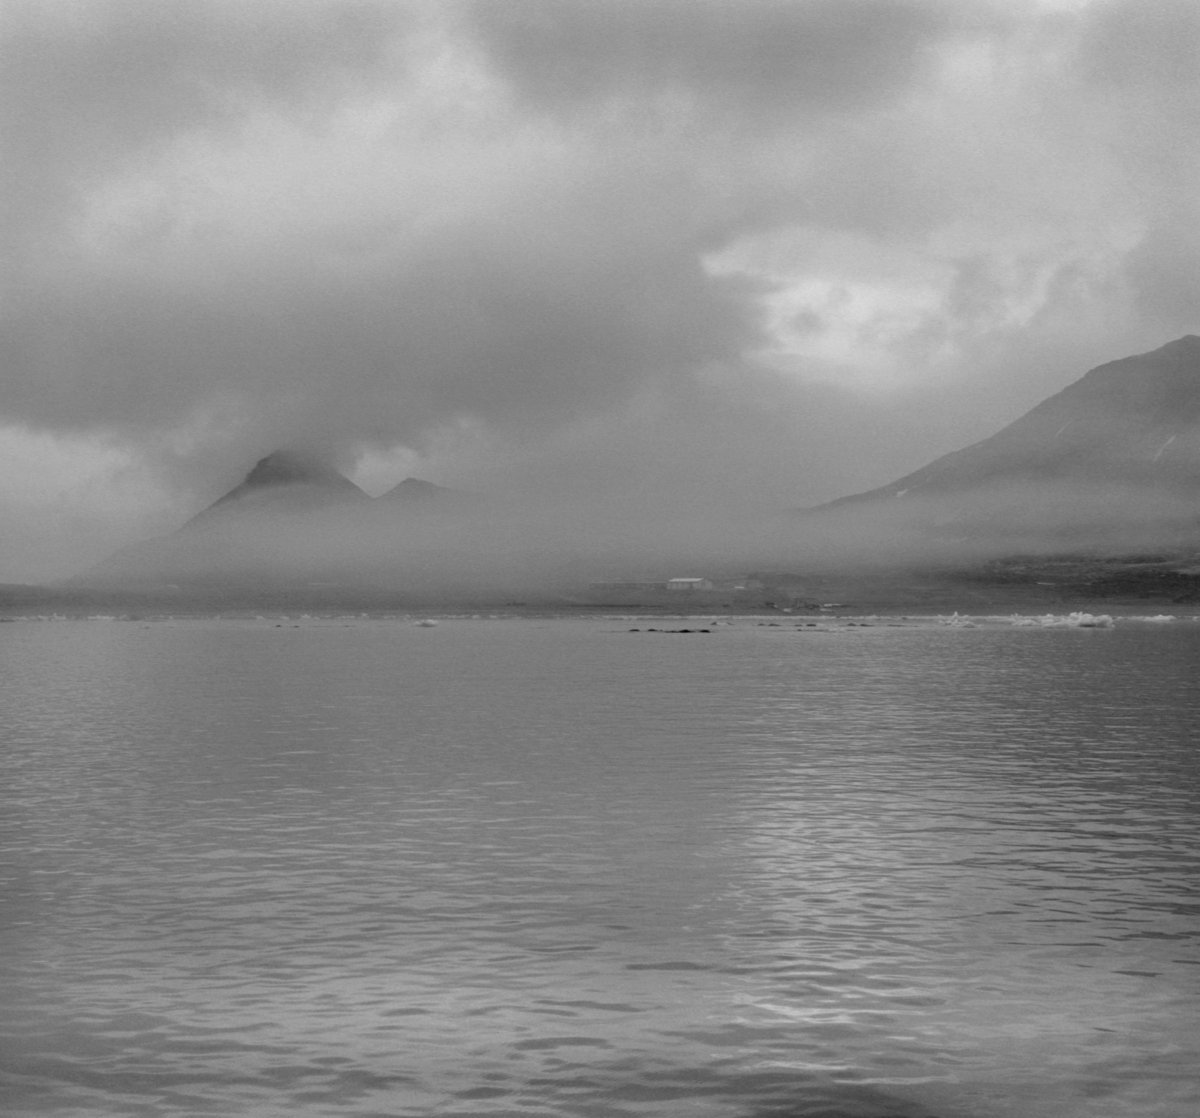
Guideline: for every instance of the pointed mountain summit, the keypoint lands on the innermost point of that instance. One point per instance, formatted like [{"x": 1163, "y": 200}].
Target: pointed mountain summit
[
  {"x": 416, "y": 495},
  {"x": 416, "y": 491},
  {"x": 285, "y": 467},
  {"x": 249, "y": 535},
  {"x": 287, "y": 479}
]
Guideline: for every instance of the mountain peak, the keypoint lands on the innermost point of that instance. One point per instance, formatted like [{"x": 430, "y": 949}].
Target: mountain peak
[
  {"x": 295, "y": 476},
  {"x": 287, "y": 467},
  {"x": 414, "y": 489},
  {"x": 416, "y": 495}
]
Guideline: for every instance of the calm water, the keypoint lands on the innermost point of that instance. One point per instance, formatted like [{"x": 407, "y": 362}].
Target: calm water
[{"x": 520, "y": 867}]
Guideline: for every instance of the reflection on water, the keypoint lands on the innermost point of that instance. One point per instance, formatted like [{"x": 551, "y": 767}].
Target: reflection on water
[{"x": 553, "y": 867}]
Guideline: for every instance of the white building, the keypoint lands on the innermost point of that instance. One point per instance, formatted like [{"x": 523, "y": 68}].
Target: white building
[{"x": 689, "y": 584}]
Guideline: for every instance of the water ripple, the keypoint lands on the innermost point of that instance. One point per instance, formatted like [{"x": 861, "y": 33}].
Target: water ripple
[{"x": 539, "y": 869}]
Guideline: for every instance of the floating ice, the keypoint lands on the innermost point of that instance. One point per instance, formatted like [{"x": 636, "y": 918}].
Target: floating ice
[
  {"x": 1090, "y": 620},
  {"x": 1070, "y": 621}
]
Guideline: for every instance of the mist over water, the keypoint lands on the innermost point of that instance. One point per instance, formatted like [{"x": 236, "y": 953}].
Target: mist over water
[
  {"x": 549, "y": 547},
  {"x": 557, "y": 867}
]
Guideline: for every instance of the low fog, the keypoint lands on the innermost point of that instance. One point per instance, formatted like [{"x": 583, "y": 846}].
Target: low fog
[
  {"x": 644, "y": 275},
  {"x": 461, "y": 548}
]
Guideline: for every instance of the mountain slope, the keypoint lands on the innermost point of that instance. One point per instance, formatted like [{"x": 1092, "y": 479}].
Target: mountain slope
[
  {"x": 249, "y": 535},
  {"x": 414, "y": 491},
  {"x": 1118, "y": 448},
  {"x": 285, "y": 482},
  {"x": 415, "y": 495}
]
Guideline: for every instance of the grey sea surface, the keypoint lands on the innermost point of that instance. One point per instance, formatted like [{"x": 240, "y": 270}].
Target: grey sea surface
[{"x": 555, "y": 867}]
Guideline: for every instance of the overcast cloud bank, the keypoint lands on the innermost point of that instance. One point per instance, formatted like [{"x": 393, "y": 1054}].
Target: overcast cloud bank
[{"x": 721, "y": 253}]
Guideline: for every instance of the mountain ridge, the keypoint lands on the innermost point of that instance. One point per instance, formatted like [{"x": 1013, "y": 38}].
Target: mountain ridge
[
  {"x": 1110, "y": 461},
  {"x": 1091, "y": 412},
  {"x": 256, "y": 531}
]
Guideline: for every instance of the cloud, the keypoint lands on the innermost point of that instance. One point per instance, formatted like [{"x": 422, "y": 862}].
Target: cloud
[
  {"x": 65, "y": 504},
  {"x": 1137, "y": 64},
  {"x": 86, "y": 85},
  {"x": 757, "y": 56},
  {"x": 344, "y": 270},
  {"x": 533, "y": 239}
]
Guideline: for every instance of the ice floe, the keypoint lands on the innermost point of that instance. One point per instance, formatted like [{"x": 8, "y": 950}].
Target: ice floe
[{"x": 1032, "y": 621}]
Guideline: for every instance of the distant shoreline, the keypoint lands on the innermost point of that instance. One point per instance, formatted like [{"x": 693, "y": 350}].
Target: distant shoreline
[{"x": 1038, "y": 584}]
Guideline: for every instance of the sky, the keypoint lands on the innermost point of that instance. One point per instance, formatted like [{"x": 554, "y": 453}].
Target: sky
[{"x": 726, "y": 253}]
